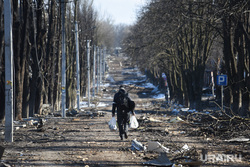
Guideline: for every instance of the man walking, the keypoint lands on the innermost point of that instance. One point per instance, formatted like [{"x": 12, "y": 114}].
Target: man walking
[{"x": 123, "y": 103}]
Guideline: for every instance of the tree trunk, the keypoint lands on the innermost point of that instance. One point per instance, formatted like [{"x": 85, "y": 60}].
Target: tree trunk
[
  {"x": 35, "y": 68},
  {"x": 26, "y": 93},
  {"x": 50, "y": 56},
  {"x": 18, "y": 60},
  {"x": 41, "y": 34}
]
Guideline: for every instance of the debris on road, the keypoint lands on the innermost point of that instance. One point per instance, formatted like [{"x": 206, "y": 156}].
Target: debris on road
[
  {"x": 184, "y": 148},
  {"x": 137, "y": 146},
  {"x": 162, "y": 160},
  {"x": 157, "y": 147},
  {"x": 238, "y": 139},
  {"x": 154, "y": 120},
  {"x": 174, "y": 165},
  {"x": 177, "y": 120}
]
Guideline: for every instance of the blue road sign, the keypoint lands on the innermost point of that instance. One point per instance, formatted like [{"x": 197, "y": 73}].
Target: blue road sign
[{"x": 222, "y": 80}]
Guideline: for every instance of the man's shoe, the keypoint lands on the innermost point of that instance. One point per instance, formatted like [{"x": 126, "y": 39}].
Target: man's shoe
[
  {"x": 121, "y": 137},
  {"x": 126, "y": 136}
]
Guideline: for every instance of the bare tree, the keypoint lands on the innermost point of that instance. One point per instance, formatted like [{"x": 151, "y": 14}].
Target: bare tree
[
  {"x": 235, "y": 31},
  {"x": 37, "y": 52},
  {"x": 175, "y": 38}
]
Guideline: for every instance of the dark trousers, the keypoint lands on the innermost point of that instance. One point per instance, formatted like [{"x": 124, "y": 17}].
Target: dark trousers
[{"x": 122, "y": 120}]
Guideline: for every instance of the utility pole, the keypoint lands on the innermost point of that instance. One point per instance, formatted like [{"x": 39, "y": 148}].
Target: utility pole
[
  {"x": 77, "y": 60},
  {"x": 63, "y": 4},
  {"x": 98, "y": 70},
  {"x": 94, "y": 71},
  {"x": 103, "y": 62},
  {"x": 77, "y": 68},
  {"x": 8, "y": 72},
  {"x": 88, "y": 69}
]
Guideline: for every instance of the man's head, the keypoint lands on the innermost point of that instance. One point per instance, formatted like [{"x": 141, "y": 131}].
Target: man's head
[{"x": 122, "y": 89}]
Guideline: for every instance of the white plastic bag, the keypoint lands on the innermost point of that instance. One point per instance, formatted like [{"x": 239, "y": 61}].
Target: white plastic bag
[
  {"x": 133, "y": 122},
  {"x": 112, "y": 124}
]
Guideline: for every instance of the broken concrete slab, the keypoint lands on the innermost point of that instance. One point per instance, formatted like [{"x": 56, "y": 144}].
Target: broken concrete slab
[{"x": 156, "y": 147}]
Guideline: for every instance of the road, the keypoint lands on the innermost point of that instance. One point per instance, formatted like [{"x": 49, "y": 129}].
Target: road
[{"x": 85, "y": 140}]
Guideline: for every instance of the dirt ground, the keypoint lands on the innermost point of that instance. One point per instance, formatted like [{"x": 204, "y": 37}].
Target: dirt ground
[{"x": 84, "y": 139}]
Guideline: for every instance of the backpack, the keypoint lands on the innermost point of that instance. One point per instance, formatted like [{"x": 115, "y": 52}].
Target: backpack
[{"x": 123, "y": 100}]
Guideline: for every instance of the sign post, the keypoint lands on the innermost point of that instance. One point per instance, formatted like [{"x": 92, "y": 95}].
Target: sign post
[{"x": 222, "y": 81}]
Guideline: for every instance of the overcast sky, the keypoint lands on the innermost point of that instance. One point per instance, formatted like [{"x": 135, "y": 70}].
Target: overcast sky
[{"x": 121, "y": 11}]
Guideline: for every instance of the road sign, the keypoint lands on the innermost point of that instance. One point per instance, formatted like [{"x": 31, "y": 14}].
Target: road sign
[
  {"x": 163, "y": 75},
  {"x": 222, "y": 80}
]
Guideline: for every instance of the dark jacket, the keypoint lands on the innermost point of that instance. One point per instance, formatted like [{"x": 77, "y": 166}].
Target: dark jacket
[{"x": 119, "y": 108}]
